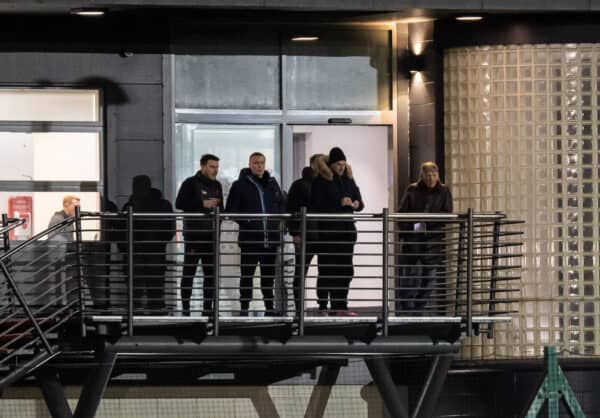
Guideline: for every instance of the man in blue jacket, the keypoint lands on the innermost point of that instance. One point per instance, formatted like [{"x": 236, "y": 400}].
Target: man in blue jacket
[{"x": 256, "y": 191}]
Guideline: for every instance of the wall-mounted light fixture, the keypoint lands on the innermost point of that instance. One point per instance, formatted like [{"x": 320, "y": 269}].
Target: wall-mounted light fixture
[
  {"x": 88, "y": 11},
  {"x": 305, "y": 38},
  {"x": 469, "y": 18},
  {"x": 415, "y": 63}
]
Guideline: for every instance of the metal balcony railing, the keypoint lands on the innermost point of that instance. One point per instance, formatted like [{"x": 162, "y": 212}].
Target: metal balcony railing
[{"x": 388, "y": 269}]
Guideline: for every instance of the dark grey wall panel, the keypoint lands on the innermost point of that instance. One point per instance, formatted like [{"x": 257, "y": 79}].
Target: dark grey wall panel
[
  {"x": 138, "y": 157},
  {"x": 133, "y": 97},
  {"x": 27, "y": 67},
  {"x": 140, "y": 116}
]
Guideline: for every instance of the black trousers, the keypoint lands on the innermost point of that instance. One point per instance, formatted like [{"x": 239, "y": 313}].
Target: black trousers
[
  {"x": 149, "y": 278},
  {"x": 335, "y": 274},
  {"x": 421, "y": 265},
  {"x": 194, "y": 252},
  {"x": 308, "y": 256},
  {"x": 249, "y": 258}
]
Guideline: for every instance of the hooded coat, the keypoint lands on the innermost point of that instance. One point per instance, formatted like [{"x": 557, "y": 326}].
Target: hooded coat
[
  {"x": 299, "y": 196},
  {"x": 327, "y": 192},
  {"x": 249, "y": 194}
]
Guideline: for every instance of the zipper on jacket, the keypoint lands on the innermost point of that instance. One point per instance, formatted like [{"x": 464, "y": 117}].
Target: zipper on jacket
[{"x": 261, "y": 195}]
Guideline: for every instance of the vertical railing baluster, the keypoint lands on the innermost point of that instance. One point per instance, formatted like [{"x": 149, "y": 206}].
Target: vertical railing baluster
[
  {"x": 302, "y": 281},
  {"x": 130, "y": 268},
  {"x": 78, "y": 238},
  {"x": 459, "y": 263},
  {"x": 494, "y": 273},
  {"x": 5, "y": 236},
  {"x": 217, "y": 270},
  {"x": 385, "y": 311},
  {"x": 469, "y": 272}
]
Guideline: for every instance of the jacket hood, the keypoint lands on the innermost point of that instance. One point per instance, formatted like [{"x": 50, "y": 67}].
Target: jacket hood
[
  {"x": 307, "y": 173},
  {"x": 323, "y": 169},
  {"x": 245, "y": 172}
]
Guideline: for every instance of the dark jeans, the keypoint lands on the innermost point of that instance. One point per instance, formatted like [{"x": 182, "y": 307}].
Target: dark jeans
[
  {"x": 250, "y": 257},
  {"x": 308, "y": 256},
  {"x": 335, "y": 274},
  {"x": 195, "y": 252},
  {"x": 420, "y": 266}
]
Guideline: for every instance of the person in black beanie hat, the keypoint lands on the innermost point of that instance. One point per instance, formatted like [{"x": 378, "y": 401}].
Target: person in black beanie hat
[{"x": 334, "y": 191}]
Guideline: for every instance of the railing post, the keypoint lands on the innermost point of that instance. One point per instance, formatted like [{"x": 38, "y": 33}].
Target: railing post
[
  {"x": 283, "y": 289},
  {"x": 469, "y": 272},
  {"x": 494, "y": 273},
  {"x": 459, "y": 271},
  {"x": 385, "y": 311},
  {"x": 130, "y": 271},
  {"x": 217, "y": 270},
  {"x": 302, "y": 281},
  {"x": 78, "y": 239},
  {"x": 5, "y": 236}
]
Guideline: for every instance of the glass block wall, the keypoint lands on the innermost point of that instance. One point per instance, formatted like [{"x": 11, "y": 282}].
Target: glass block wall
[{"x": 521, "y": 136}]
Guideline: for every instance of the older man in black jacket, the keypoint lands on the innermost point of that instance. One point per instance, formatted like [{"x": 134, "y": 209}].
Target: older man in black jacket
[
  {"x": 423, "y": 242},
  {"x": 334, "y": 191},
  {"x": 256, "y": 191},
  {"x": 201, "y": 193}
]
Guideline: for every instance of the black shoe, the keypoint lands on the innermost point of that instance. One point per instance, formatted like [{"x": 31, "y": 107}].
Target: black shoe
[
  {"x": 244, "y": 312},
  {"x": 271, "y": 312}
]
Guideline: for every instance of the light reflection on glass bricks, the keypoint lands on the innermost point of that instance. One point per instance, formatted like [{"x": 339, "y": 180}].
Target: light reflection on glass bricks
[{"x": 521, "y": 137}]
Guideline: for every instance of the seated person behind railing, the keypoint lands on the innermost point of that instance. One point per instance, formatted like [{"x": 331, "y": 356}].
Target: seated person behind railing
[
  {"x": 66, "y": 237},
  {"x": 151, "y": 236},
  {"x": 334, "y": 191},
  {"x": 422, "y": 241},
  {"x": 201, "y": 193},
  {"x": 256, "y": 191}
]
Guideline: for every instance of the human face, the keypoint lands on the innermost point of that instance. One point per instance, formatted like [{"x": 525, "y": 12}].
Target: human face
[
  {"x": 69, "y": 208},
  {"x": 430, "y": 177},
  {"x": 339, "y": 167},
  {"x": 257, "y": 166},
  {"x": 210, "y": 169}
]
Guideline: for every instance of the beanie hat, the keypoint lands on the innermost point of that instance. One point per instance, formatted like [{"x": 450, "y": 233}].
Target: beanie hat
[{"x": 335, "y": 155}]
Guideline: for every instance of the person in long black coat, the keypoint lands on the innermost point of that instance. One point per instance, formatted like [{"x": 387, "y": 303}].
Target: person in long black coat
[
  {"x": 151, "y": 235},
  {"x": 256, "y": 191},
  {"x": 335, "y": 191}
]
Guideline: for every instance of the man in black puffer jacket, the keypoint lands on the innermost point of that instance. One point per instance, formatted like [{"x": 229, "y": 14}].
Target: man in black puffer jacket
[
  {"x": 334, "y": 191},
  {"x": 423, "y": 248},
  {"x": 256, "y": 191},
  {"x": 201, "y": 193}
]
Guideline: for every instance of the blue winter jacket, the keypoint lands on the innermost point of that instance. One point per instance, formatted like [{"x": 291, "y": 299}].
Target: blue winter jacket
[{"x": 249, "y": 194}]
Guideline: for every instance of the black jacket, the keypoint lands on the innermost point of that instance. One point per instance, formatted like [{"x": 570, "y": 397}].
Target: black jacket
[
  {"x": 299, "y": 196},
  {"x": 192, "y": 192},
  {"x": 419, "y": 198},
  {"x": 326, "y": 195},
  {"x": 157, "y": 230},
  {"x": 249, "y": 194}
]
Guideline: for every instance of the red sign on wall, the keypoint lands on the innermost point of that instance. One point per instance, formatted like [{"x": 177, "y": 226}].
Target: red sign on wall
[{"x": 21, "y": 207}]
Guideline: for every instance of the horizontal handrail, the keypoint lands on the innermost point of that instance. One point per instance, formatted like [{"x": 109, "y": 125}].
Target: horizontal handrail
[{"x": 13, "y": 223}]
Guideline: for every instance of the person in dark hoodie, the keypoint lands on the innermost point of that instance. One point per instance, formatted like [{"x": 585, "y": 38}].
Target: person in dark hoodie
[
  {"x": 201, "y": 193},
  {"x": 298, "y": 197},
  {"x": 256, "y": 191},
  {"x": 422, "y": 243},
  {"x": 335, "y": 191},
  {"x": 150, "y": 236}
]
